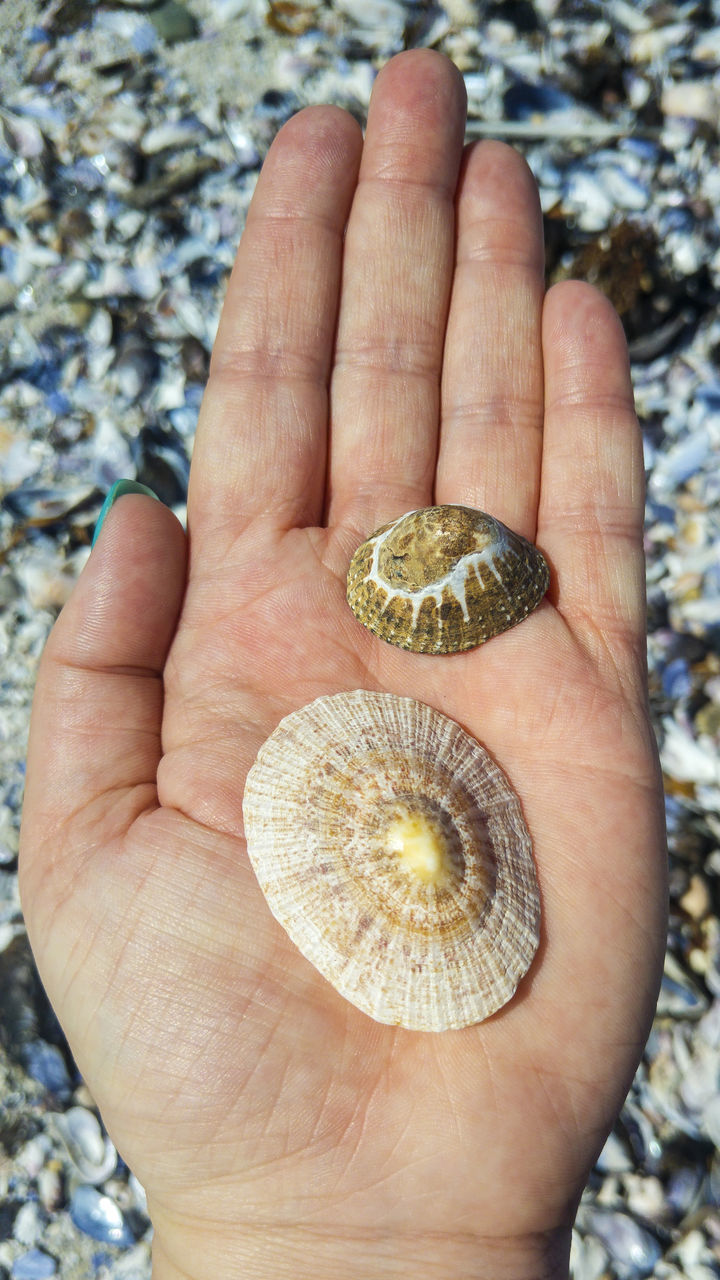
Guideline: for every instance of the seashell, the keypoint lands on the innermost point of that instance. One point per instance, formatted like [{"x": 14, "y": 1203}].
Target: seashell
[
  {"x": 633, "y": 1249},
  {"x": 91, "y": 1152},
  {"x": 37, "y": 506},
  {"x": 393, "y": 851},
  {"x": 444, "y": 579},
  {"x": 99, "y": 1217}
]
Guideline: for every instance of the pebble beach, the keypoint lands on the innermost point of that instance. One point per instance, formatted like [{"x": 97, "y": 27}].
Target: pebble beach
[{"x": 131, "y": 136}]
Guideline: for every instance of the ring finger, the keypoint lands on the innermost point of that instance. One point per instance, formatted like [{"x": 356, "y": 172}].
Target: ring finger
[{"x": 491, "y": 435}]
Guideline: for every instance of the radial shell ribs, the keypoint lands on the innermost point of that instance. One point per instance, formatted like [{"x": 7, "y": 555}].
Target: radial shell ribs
[
  {"x": 444, "y": 579},
  {"x": 394, "y": 852}
]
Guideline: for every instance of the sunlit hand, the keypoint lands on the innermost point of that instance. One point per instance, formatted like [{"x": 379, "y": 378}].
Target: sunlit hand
[{"x": 384, "y": 345}]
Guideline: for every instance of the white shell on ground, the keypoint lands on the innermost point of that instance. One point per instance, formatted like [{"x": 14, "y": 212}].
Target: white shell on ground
[{"x": 393, "y": 851}]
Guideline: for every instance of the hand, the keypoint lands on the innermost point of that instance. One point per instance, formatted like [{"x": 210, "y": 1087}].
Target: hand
[{"x": 277, "y": 1130}]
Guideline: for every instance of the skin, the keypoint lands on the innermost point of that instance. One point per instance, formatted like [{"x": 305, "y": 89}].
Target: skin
[{"x": 384, "y": 344}]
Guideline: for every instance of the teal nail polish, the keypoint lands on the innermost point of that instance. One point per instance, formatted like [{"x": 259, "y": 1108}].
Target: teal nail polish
[{"x": 119, "y": 489}]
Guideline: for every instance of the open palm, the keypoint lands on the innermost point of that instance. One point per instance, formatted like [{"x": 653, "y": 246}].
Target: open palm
[{"x": 384, "y": 345}]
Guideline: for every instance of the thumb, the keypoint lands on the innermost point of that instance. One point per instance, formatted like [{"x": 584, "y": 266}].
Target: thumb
[{"x": 95, "y": 731}]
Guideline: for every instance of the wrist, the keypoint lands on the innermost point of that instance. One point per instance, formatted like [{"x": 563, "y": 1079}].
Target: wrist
[{"x": 305, "y": 1253}]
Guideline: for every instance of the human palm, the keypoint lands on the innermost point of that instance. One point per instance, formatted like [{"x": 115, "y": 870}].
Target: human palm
[{"x": 361, "y": 370}]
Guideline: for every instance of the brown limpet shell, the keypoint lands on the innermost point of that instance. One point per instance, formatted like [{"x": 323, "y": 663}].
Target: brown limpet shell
[
  {"x": 444, "y": 579},
  {"x": 394, "y": 852}
]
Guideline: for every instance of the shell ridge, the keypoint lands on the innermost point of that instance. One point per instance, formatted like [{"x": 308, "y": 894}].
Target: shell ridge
[{"x": 479, "y": 592}]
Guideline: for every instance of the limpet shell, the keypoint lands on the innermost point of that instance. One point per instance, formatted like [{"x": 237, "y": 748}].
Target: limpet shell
[
  {"x": 444, "y": 579},
  {"x": 393, "y": 851}
]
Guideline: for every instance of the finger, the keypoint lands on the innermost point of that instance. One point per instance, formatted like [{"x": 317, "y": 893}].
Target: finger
[
  {"x": 492, "y": 386},
  {"x": 590, "y": 519},
  {"x": 95, "y": 739},
  {"x": 260, "y": 443},
  {"x": 396, "y": 282}
]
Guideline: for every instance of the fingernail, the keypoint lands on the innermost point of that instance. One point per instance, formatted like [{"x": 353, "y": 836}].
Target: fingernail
[{"x": 119, "y": 489}]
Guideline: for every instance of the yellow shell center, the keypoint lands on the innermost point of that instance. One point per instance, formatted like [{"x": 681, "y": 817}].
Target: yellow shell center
[{"x": 421, "y": 847}]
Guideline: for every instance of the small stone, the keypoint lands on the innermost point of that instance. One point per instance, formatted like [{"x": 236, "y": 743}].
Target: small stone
[
  {"x": 693, "y": 100},
  {"x": 588, "y": 1258},
  {"x": 82, "y": 1096},
  {"x": 614, "y": 1157},
  {"x": 34, "y": 1265},
  {"x": 45, "y": 1063},
  {"x": 173, "y": 22},
  {"x": 74, "y": 225},
  {"x": 99, "y": 1217},
  {"x": 33, "y": 1155},
  {"x": 93, "y": 1155},
  {"x": 653, "y": 44},
  {"x": 698, "y": 961},
  {"x": 633, "y": 1250},
  {"x": 49, "y": 1185},
  {"x": 696, "y": 898},
  {"x": 707, "y": 719},
  {"x": 382, "y": 20},
  {"x": 645, "y": 1196},
  {"x": 29, "y": 1224}
]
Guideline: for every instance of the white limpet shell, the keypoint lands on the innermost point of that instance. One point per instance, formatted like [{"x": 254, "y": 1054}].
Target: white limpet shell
[
  {"x": 393, "y": 851},
  {"x": 444, "y": 579}
]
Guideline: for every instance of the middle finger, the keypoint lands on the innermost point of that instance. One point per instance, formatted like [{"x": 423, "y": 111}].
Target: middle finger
[{"x": 397, "y": 274}]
